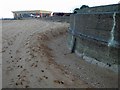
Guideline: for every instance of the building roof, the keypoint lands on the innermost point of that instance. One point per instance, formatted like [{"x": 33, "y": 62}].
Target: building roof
[{"x": 32, "y": 11}]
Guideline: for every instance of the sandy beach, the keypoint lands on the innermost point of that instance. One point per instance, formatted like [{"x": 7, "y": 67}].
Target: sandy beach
[{"x": 35, "y": 55}]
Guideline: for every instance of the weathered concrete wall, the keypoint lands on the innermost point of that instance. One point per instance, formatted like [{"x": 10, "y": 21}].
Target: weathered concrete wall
[{"x": 96, "y": 35}]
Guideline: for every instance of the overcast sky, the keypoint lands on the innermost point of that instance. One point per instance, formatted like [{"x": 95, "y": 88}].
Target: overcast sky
[{"x": 53, "y": 5}]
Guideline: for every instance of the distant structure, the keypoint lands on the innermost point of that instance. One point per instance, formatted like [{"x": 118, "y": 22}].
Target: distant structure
[
  {"x": 61, "y": 14},
  {"x": 31, "y": 14}
]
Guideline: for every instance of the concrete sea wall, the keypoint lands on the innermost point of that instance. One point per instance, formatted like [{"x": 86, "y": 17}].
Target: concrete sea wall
[{"x": 96, "y": 35}]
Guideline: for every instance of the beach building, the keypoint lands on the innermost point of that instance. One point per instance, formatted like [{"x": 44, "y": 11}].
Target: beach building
[{"x": 31, "y": 14}]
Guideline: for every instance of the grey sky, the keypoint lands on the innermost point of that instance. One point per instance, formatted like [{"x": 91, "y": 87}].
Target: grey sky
[{"x": 53, "y": 5}]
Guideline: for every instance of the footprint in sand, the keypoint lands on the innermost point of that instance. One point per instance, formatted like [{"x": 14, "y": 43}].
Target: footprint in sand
[
  {"x": 34, "y": 65},
  {"x": 59, "y": 82},
  {"x": 45, "y": 77}
]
